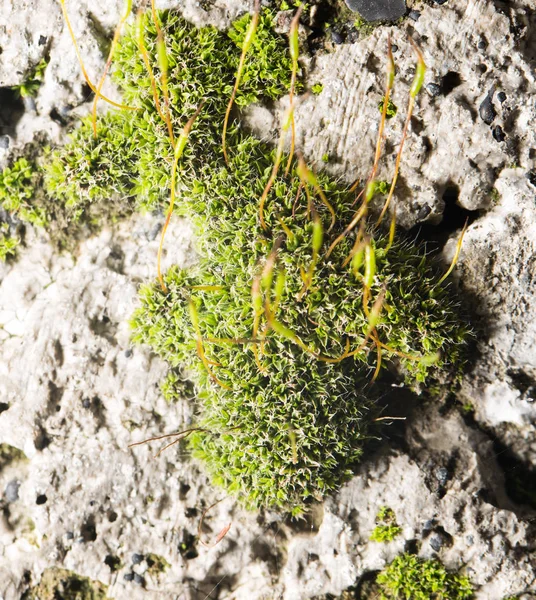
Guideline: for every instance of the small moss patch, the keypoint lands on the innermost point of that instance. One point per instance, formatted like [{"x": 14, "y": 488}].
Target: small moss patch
[
  {"x": 60, "y": 583},
  {"x": 387, "y": 529}
]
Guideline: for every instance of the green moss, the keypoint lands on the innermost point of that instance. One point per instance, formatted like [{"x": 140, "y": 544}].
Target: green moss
[
  {"x": 31, "y": 85},
  {"x": 8, "y": 244},
  {"x": 317, "y": 88},
  {"x": 202, "y": 66},
  {"x": 156, "y": 565},
  {"x": 286, "y": 428},
  {"x": 387, "y": 529},
  {"x": 411, "y": 578},
  {"x": 10, "y": 454},
  {"x": 60, "y": 583},
  {"x": 18, "y": 185}
]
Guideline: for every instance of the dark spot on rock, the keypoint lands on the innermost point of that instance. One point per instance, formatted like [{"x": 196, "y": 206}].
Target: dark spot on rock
[
  {"x": 450, "y": 81},
  {"x": 139, "y": 579},
  {"x": 3, "y": 407},
  {"x": 41, "y": 440},
  {"x": 128, "y": 353},
  {"x": 440, "y": 539},
  {"x": 115, "y": 260},
  {"x": 137, "y": 558},
  {"x": 184, "y": 488},
  {"x": 353, "y": 36},
  {"x": 531, "y": 176},
  {"x": 58, "y": 117},
  {"x": 470, "y": 540},
  {"x": 187, "y": 547},
  {"x": 11, "y": 110},
  {"x": 433, "y": 89},
  {"x": 380, "y": 10},
  {"x": 394, "y": 48},
  {"x": 42, "y": 40},
  {"x": 486, "y": 110},
  {"x": 88, "y": 531},
  {"x": 41, "y": 499},
  {"x": 190, "y": 513},
  {"x": 482, "y": 44},
  {"x": 69, "y": 535},
  {"x": 428, "y": 527},
  {"x": 313, "y": 557},
  {"x": 128, "y": 576},
  {"x": 414, "y": 15},
  {"x": 5, "y": 140},
  {"x": 524, "y": 383},
  {"x": 501, "y": 96},
  {"x": 498, "y": 133},
  {"x": 11, "y": 493},
  {"x": 112, "y": 516},
  {"x": 411, "y": 546},
  {"x": 337, "y": 37},
  {"x": 440, "y": 2},
  {"x": 114, "y": 562}
]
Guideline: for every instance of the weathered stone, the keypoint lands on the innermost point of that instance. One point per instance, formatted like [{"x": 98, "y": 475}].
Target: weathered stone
[{"x": 378, "y": 10}]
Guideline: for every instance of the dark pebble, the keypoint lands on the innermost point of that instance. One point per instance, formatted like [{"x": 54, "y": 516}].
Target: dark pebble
[
  {"x": 440, "y": 2},
  {"x": 434, "y": 89},
  {"x": 69, "y": 535},
  {"x": 337, "y": 37},
  {"x": 501, "y": 96},
  {"x": 137, "y": 558},
  {"x": 41, "y": 499},
  {"x": 380, "y": 10},
  {"x": 128, "y": 576},
  {"x": 498, "y": 134},
  {"x": 414, "y": 15},
  {"x": 436, "y": 542},
  {"x": 482, "y": 44},
  {"x": 11, "y": 493},
  {"x": 423, "y": 212},
  {"x": 428, "y": 526},
  {"x": 486, "y": 110},
  {"x": 128, "y": 353},
  {"x": 394, "y": 48},
  {"x": 42, "y": 40},
  {"x": 139, "y": 579},
  {"x": 4, "y": 142}
]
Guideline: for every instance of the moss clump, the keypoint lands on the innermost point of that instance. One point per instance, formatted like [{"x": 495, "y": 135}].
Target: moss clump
[
  {"x": 284, "y": 421},
  {"x": 30, "y": 86},
  {"x": 387, "y": 528},
  {"x": 18, "y": 185},
  {"x": 129, "y": 163},
  {"x": 413, "y": 578},
  {"x": 61, "y": 583},
  {"x": 156, "y": 565},
  {"x": 410, "y": 578},
  {"x": 10, "y": 454}
]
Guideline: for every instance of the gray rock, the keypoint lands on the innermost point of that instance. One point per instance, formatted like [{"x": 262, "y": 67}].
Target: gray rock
[
  {"x": 11, "y": 493},
  {"x": 379, "y": 10}
]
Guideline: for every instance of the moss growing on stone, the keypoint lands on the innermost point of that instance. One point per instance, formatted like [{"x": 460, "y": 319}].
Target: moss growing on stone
[
  {"x": 156, "y": 565},
  {"x": 281, "y": 422},
  {"x": 387, "y": 529},
  {"x": 10, "y": 454},
  {"x": 411, "y": 578},
  {"x": 60, "y": 583}
]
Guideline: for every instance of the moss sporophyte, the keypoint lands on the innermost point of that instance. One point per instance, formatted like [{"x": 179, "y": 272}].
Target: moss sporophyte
[{"x": 299, "y": 298}]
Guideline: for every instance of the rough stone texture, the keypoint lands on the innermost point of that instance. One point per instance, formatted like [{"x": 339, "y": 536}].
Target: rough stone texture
[
  {"x": 380, "y": 10},
  {"x": 74, "y": 394}
]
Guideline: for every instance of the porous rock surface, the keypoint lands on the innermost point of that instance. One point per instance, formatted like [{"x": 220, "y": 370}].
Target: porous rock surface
[{"x": 74, "y": 393}]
